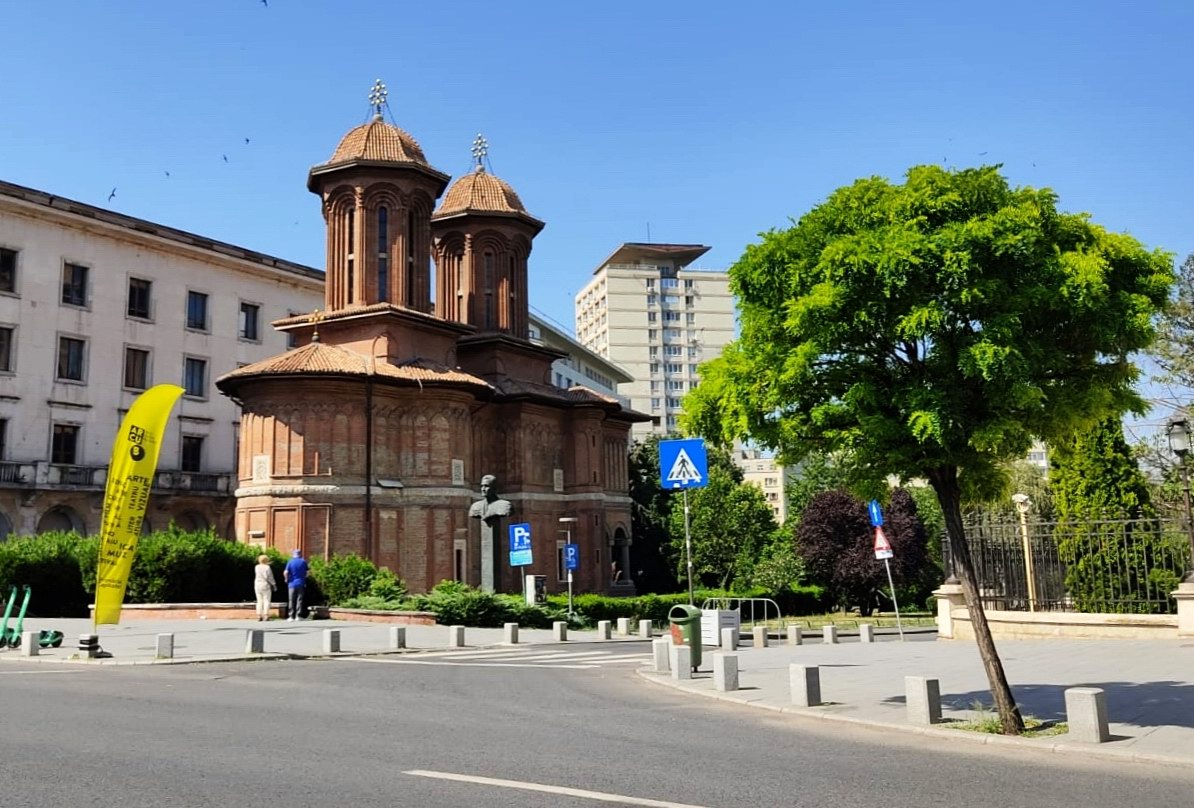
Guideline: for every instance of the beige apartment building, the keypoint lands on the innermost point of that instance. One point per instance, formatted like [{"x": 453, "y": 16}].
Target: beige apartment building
[
  {"x": 647, "y": 310},
  {"x": 763, "y": 473}
]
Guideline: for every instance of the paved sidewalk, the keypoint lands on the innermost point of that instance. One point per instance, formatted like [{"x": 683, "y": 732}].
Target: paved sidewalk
[
  {"x": 1149, "y": 687},
  {"x": 135, "y": 641}
]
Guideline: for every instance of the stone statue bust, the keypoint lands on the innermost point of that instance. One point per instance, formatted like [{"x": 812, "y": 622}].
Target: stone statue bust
[{"x": 491, "y": 508}]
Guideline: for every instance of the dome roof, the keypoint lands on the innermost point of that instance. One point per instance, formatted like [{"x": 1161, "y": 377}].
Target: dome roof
[
  {"x": 381, "y": 142},
  {"x": 480, "y": 192}
]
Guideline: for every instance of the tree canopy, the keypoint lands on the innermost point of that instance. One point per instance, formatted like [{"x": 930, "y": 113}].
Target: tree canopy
[{"x": 931, "y": 329}]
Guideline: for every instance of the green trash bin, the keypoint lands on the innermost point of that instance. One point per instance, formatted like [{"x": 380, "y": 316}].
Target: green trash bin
[{"x": 686, "y": 630}]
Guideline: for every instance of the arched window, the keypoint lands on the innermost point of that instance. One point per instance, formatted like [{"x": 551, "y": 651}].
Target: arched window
[
  {"x": 383, "y": 253},
  {"x": 487, "y": 285},
  {"x": 349, "y": 297},
  {"x": 410, "y": 258}
]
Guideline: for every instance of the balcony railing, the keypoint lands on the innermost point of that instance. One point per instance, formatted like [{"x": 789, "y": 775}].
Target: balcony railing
[
  {"x": 76, "y": 475},
  {"x": 198, "y": 482},
  {"x": 17, "y": 473}
]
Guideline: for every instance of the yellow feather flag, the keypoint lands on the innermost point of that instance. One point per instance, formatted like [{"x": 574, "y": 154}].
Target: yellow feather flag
[{"x": 126, "y": 496}]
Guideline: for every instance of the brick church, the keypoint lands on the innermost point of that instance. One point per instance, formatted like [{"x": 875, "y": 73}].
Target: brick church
[{"x": 372, "y": 434}]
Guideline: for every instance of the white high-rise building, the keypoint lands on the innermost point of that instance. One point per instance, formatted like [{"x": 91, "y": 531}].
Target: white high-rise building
[{"x": 649, "y": 312}]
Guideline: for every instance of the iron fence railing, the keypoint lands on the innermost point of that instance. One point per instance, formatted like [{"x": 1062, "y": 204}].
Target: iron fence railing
[{"x": 1110, "y": 566}]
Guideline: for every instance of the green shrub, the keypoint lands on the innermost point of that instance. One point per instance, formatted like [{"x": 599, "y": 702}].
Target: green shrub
[
  {"x": 341, "y": 577},
  {"x": 455, "y": 603},
  {"x": 50, "y": 564},
  {"x": 387, "y": 586}
]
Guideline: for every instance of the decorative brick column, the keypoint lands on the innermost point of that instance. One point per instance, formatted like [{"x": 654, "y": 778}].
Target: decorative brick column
[{"x": 949, "y": 596}]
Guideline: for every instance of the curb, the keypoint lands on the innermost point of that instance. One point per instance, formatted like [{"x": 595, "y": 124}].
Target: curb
[{"x": 1028, "y": 744}]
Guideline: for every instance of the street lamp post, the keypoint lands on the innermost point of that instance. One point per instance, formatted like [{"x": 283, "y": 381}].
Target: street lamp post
[{"x": 1178, "y": 433}]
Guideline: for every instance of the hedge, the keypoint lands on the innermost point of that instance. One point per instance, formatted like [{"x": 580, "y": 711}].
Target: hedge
[{"x": 591, "y": 608}]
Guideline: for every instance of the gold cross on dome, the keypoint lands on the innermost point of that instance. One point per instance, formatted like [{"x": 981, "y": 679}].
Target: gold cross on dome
[
  {"x": 377, "y": 97},
  {"x": 315, "y": 319},
  {"x": 480, "y": 150}
]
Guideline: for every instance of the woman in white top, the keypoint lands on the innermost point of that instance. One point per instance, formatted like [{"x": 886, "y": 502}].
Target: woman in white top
[{"x": 263, "y": 586}]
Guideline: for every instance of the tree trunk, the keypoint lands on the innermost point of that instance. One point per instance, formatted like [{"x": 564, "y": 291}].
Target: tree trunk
[{"x": 945, "y": 483}]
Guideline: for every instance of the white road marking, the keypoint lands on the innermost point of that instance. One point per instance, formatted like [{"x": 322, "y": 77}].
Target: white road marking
[
  {"x": 19, "y": 673},
  {"x": 626, "y": 658},
  {"x": 474, "y": 652},
  {"x": 449, "y": 663},
  {"x": 600, "y": 796},
  {"x": 560, "y": 655}
]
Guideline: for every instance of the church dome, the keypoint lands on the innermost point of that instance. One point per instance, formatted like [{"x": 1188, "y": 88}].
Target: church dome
[
  {"x": 480, "y": 192},
  {"x": 378, "y": 141}
]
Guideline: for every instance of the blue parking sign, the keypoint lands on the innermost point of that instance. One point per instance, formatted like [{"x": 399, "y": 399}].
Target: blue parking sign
[
  {"x": 571, "y": 556},
  {"x": 520, "y": 545}
]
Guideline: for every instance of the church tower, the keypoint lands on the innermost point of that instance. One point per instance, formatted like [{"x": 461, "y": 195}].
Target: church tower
[
  {"x": 378, "y": 193},
  {"x": 482, "y": 237}
]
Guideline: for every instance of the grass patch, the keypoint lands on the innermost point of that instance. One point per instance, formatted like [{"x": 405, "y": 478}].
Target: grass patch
[
  {"x": 846, "y": 620},
  {"x": 986, "y": 720}
]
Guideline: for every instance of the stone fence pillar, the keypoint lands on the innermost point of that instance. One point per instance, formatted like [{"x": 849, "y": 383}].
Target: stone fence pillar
[
  {"x": 1185, "y": 610},
  {"x": 949, "y": 597}
]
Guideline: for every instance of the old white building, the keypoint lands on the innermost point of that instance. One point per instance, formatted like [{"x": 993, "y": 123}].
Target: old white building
[
  {"x": 653, "y": 315},
  {"x": 95, "y": 307},
  {"x": 581, "y": 366}
]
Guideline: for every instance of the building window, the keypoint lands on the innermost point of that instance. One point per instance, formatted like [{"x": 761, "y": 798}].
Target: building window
[
  {"x": 655, "y": 403},
  {"x": 410, "y": 258},
  {"x": 136, "y": 368},
  {"x": 194, "y": 377},
  {"x": 673, "y": 350},
  {"x": 350, "y": 292},
  {"x": 654, "y": 367},
  {"x": 653, "y": 352},
  {"x": 652, "y": 334},
  {"x": 291, "y": 336},
  {"x": 650, "y": 283},
  {"x": 654, "y": 387},
  {"x": 669, "y": 283},
  {"x": 673, "y": 403},
  {"x": 250, "y": 317},
  {"x": 672, "y": 367},
  {"x": 74, "y": 284},
  {"x": 197, "y": 311},
  {"x": 692, "y": 369},
  {"x": 7, "y": 334},
  {"x": 688, "y": 283},
  {"x": 689, "y": 301},
  {"x": 672, "y": 333},
  {"x": 8, "y": 270},
  {"x": 192, "y": 453},
  {"x": 64, "y": 445},
  {"x": 692, "y": 353},
  {"x": 690, "y": 318},
  {"x": 3, "y": 437},
  {"x": 675, "y": 384},
  {"x": 487, "y": 281},
  {"x": 671, "y": 316},
  {"x": 652, "y": 300},
  {"x": 769, "y": 482},
  {"x": 138, "y": 305},
  {"x": 383, "y": 253},
  {"x": 651, "y": 317},
  {"x": 72, "y": 355}
]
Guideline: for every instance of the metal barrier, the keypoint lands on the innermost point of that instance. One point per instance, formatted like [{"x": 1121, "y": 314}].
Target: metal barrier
[{"x": 756, "y": 605}]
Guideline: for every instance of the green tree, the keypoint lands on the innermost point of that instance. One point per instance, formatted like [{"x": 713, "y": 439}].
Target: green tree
[
  {"x": 730, "y": 522},
  {"x": 1173, "y": 348},
  {"x": 815, "y": 473},
  {"x": 1116, "y": 554},
  {"x": 651, "y": 507},
  {"x": 929, "y": 329}
]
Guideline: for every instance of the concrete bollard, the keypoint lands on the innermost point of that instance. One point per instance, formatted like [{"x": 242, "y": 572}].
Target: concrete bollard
[
  {"x": 645, "y": 629},
  {"x": 795, "y": 635},
  {"x": 455, "y": 636},
  {"x": 624, "y": 626},
  {"x": 255, "y": 641},
  {"x": 829, "y": 635},
  {"x": 559, "y": 630},
  {"x": 806, "y": 685},
  {"x": 511, "y": 635},
  {"x": 1086, "y": 713},
  {"x": 725, "y": 672},
  {"x": 660, "y": 657},
  {"x": 759, "y": 635},
  {"x": 89, "y": 645},
  {"x": 29, "y": 644},
  {"x": 866, "y": 633},
  {"x": 397, "y": 636},
  {"x": 729, "y": 639},
  {"x": 923, "y": 699},
  {"x": 165, "y": 649},
  {"x": 331, "y": 640},
  {"x": 681, "y": 661},
  {"x": 603, "y": 627}
]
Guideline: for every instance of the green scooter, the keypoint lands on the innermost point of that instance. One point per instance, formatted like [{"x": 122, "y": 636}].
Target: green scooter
[{"x": 11, "y": 637}]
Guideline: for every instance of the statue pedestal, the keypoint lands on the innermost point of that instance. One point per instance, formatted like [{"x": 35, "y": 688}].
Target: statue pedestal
[{"x": 622, "y": 589}]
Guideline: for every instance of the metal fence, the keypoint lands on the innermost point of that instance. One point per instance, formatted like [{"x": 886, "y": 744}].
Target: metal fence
[{"x": 1107, "y": 567}]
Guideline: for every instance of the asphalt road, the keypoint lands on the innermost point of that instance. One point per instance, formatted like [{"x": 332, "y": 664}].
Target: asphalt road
[{"x": 347, "y": 733}]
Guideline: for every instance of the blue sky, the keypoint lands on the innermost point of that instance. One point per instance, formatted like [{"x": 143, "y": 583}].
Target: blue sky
[{"x": 711, "y": 121}]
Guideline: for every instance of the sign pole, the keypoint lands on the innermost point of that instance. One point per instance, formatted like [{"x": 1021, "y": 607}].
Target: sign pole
[
  {"x": 568, "y": 540},
  {"x": 894, "y": 603},
  {"x": 688, "y": 549}
]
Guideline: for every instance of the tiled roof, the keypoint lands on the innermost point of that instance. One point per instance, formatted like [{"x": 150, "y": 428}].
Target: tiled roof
[
  {"x": 380, "y": 141},
  {"x": 480, "y": 192},
  {"x": 321, "y": 359}
]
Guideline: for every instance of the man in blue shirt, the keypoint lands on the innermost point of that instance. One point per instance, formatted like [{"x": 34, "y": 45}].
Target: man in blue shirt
[{"x": 296, "y": 581}]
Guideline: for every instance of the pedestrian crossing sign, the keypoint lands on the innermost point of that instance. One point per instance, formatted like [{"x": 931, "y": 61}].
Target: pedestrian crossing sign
[{"x": 683, "y": 464}]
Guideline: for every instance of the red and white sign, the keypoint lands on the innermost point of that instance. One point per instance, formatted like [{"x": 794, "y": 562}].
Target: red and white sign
[{"x": 882, "y": 545}]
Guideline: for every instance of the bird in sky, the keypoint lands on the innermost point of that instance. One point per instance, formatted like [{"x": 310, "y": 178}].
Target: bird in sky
[
  {"x": 265, "y": 3},
  {"x": 167, "y": 173},
  {"x": 981, "y": 153},
  {"x": 112, "y": 195},
  {"x": 246, "y": 141},
  {"x": 225, "y": 158}
]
